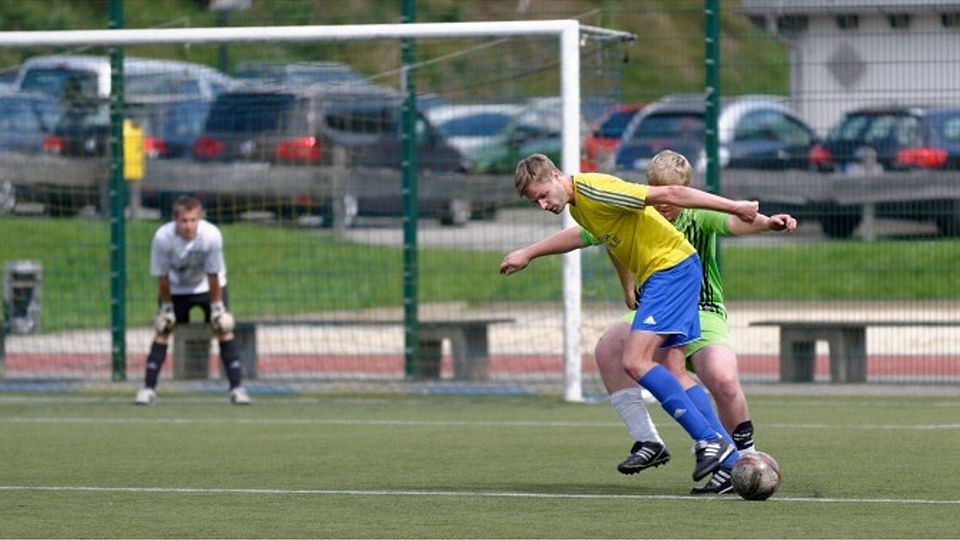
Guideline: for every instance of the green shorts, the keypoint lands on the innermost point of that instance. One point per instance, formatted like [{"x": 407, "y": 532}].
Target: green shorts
[{"x": 713, "y": 331}]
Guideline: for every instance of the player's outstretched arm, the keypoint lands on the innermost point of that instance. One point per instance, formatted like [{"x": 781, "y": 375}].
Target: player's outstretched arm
[
  {"x": 776, "y": 222},
  {"x": 688, "y": 197},
  {"x": 563, "y": 241}
]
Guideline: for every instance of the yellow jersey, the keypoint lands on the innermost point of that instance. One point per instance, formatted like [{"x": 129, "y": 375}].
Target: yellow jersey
[{"x": 615, "y": 212}]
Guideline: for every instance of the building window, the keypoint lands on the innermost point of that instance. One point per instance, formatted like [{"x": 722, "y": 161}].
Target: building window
[
  {"x": 792, "y": 25},
  {"x": 950, "y": 20},
  {"x": 900, "y": 21},
  {"x": 848, "y": 22}
]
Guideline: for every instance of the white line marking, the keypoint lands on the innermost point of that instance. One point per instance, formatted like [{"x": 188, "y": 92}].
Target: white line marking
[
  {"x": 429, "y": 493},
  {"x": 425, "y": 423}
]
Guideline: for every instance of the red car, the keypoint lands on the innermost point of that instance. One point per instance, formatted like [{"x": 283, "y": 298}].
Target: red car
[{"x": 605, "y": 133}]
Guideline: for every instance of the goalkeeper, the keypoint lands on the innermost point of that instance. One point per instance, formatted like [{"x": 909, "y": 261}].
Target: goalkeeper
[{"x": 186, "y": 257}]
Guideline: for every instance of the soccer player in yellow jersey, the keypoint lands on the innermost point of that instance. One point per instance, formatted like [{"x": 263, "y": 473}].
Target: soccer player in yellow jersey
[{"x": 662, "y": 263}]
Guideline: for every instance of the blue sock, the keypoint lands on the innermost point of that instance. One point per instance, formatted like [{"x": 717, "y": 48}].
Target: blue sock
[
  {"x": 701, "y": 400},
  {"x": 666, "y": 388}
]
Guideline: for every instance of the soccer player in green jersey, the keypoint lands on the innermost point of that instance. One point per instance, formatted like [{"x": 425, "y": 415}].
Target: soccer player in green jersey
[
  {"x": 711, "y": 356},
  {"x": 657, "y": 257}
]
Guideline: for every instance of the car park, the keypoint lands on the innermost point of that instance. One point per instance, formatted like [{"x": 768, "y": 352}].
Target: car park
[
  {"x": 755, "y": 132},
  {"x": 891, "y": 138},
  {"x": 303, "y": 125}
]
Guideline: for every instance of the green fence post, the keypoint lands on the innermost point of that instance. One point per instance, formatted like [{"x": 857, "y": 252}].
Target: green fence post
[
  {"x": 411, "y": 349},
  {"x": 118, "y": 200},
  {"x": 711, "y": 34}
]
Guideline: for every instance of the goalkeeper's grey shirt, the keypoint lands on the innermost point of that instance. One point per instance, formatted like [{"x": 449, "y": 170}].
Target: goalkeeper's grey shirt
[{"x": 187, "y": 262}]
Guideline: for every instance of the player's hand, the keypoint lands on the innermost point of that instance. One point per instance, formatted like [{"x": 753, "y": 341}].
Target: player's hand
[
  {"x": 165, "y": 319},
  {"x": 781, "y": 222},
  {"x": 221, "y": 319},
  {"x": 514, "y": 262},
  {"x": 747, "y": 210}
]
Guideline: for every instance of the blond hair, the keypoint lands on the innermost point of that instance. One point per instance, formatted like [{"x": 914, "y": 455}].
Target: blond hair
[
  {"x": 668, "y": 168},
  {"x": 535, "y": 168}
]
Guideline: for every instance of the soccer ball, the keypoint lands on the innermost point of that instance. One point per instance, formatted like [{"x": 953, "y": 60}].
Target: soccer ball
[{"x": 756, "y": 476}]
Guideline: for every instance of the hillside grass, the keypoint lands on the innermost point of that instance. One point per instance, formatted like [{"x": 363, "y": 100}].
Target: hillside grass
[{"x": 666, "y": 57}]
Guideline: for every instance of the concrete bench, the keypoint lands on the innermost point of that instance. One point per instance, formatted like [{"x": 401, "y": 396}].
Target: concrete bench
[
  {"x": 846, "y": 340},
  {"x": 468, "y": 337}
]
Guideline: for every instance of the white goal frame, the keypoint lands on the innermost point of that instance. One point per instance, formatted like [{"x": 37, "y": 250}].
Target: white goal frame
[{"x": 569, "y": 32}]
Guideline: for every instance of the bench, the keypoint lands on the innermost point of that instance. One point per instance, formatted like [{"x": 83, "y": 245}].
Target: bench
[
  {"x": 847, "y": 342},
  {"x": 469, "y": 345}
]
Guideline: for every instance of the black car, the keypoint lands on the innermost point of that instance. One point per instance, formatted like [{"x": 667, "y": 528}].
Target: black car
[
  {"x": 169, "y": 126},
  {"x": 303, "y": 126},
  {"x": 897, "y": 138}
]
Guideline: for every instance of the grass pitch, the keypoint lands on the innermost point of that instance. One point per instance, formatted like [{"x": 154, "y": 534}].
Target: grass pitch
[{"x": 457, "y": 467}]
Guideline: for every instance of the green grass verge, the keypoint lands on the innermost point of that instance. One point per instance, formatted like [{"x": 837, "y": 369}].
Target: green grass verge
[
  {"x": 458, "y": 467},
  {"x": 280, "y": 271}
]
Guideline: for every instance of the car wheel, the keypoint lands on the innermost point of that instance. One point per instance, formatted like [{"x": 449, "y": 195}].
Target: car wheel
[
  {"x": 839, "y": 226},
  {"x": 456, "y": 213}
]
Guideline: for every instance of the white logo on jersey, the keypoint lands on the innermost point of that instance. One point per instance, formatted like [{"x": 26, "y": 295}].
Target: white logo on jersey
[{"x": 649, "y": 320}]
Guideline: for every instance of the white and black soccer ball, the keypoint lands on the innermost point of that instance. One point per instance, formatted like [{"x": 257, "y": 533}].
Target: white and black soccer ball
[{"x": 756, "y": 476}]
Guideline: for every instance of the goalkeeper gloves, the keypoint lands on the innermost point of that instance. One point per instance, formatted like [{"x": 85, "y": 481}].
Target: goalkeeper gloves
[
  {"x": 220, "y": 318},
  {"x": 165, "y": 318}
]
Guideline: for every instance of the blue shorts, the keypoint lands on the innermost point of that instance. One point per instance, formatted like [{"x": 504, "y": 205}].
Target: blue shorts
[{"x": 668, "y": 304}]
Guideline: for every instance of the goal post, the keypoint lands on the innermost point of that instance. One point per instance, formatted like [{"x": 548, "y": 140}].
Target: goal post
[{"x": 571, "y": 34}]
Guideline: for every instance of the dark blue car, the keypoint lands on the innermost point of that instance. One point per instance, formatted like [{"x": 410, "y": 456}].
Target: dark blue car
[{"x": 755, "y": 132}]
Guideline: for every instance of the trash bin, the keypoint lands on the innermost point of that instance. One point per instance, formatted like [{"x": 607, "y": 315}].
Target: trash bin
[{"x": 22, "y": 292}]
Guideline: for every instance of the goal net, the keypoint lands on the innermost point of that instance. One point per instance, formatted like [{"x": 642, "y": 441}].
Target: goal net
[{"x": 306, "y": 153}]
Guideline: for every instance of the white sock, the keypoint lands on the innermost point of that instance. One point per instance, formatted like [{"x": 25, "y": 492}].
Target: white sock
[{"x": 629, "y": 405}]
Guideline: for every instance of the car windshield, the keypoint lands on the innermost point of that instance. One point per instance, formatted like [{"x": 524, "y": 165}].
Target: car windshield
[
  {"x": 60, "y": 82},
  {"x": 17, "y": 116},
  {"x": 249, "y": 113},
  {"x": 867, "y": 128},
  {"x": 85, "y": 117},
  {"x": 671, "y": 125},
  {"x": 612, "y": 127},
  {"x": 476, "y": 125}
]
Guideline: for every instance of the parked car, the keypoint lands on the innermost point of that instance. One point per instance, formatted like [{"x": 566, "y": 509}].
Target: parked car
[
  {"x": 755, "y": 132},
  {"x": 605, "y": 133},
  {"x": 25, "y": 120},
  {"x": 298, "y": 73},
  {"x": 86, "y": 77},
  {"x": 471, "y": 128},
  {"x": 169, "y": 126},
  {"x": 301, "y": 126},
  {"x": 897, "y": 137}
]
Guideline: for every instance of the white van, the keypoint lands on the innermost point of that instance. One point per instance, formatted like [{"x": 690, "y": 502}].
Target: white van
[{"x": 143, "y": 77}]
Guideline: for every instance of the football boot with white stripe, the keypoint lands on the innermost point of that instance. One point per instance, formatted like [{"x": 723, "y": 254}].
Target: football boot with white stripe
[
  {"x": 710, "y": 454},
  {"x": 719, "y": 483},
  {"x": 643, "y": 455}
]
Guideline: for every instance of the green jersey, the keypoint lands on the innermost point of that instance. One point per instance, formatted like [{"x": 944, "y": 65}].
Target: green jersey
[{"x": 700, "y": 227}]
